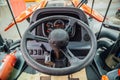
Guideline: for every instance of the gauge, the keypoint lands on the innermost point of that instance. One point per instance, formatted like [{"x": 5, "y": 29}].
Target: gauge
[
  {"x": 59, "y": 24},
  {"x": 49, "y": 25}
]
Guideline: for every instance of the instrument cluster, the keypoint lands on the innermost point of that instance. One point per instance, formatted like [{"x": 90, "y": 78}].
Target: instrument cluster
[{"x": 54, "y": 24}]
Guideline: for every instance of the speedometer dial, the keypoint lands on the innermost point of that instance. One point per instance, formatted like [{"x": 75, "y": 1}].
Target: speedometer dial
[{"x": 59, "y": 24}]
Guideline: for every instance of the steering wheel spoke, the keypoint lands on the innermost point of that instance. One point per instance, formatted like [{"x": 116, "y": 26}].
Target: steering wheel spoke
[
  {"x": 71, "y": 58},
  {"x": 35, "y": 37},
  {"x": 70, "y": 25},
  {"x": 77, "y": 45}
]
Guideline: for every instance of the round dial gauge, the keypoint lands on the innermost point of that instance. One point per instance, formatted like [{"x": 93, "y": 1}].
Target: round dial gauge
[
  {"x": 59, "y": 24},
  {"x": 49, "y": 25}
]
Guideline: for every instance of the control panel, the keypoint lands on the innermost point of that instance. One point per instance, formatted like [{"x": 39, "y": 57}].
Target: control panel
[{"x": 35, "y": 50}]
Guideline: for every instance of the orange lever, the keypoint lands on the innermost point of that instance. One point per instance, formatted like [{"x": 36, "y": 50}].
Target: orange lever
[
  {"x": 24, "y": 15},
  {"x": 94, "y": 13},
  {"x": 104, "y": 77},
  {"x": 88, "y": 11},
  {"x": 118, "y": 72}
]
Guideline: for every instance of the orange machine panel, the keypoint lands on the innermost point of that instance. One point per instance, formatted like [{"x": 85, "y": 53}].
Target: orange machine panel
[{"x": 17, "y": 6}]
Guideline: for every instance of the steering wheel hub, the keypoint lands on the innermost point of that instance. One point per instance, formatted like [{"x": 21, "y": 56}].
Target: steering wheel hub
[{"x": 58, "y": 38}]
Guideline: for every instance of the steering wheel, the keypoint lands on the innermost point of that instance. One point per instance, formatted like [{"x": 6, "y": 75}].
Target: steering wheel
[{"x": 59, "y": 39}]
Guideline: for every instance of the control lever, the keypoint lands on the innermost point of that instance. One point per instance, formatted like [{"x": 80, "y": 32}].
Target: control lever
[
  {"x": 44, "y": 48},
  {"x": 112, "y": 26},
  {"x": 47, "y": 56}
]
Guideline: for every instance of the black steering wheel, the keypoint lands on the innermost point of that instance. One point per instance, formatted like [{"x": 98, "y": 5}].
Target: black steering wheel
[{"x": 58, "y": 39}]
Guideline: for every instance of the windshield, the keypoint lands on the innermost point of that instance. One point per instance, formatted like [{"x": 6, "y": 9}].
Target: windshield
[
  {"x": 61, "y": 3},
  {"x": 6, "y": 17}
]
